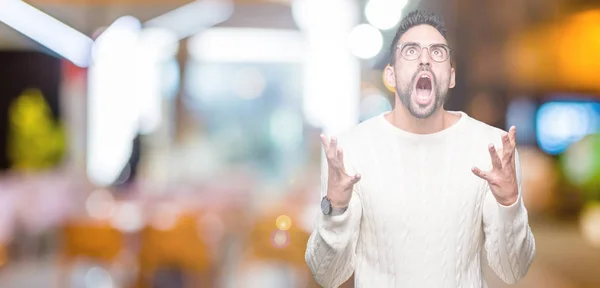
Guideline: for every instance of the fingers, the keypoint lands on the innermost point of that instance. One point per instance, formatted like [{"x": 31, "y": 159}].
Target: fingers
[
  {"x": 512, "y": 135},
  {"x": 340, "y": 155},
  {"x": 335, "y": 157},
  {"x": 481, "y": 174},
  {"x": 325, "y": 142},
  {"x": 509, "y": 140},
  {"x": 333, "y": 146},
  {"x": 496, "y": 162},
  {"x": 506, "y": 145},
  {"x": 330, "y": 147}
]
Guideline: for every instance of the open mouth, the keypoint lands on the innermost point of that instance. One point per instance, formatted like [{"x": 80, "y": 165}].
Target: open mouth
[{"x": 424, "y": 88}]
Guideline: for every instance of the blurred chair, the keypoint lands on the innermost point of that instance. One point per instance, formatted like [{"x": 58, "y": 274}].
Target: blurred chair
[
  {"x": 95, "y": 241},
  {"x": 282, "y": 244},
  {"x": 270, "y": 243},
  {"x": 178, "y": 250}
]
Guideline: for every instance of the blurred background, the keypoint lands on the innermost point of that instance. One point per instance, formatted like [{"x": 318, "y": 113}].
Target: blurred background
[{"x": 175, "y": 143}]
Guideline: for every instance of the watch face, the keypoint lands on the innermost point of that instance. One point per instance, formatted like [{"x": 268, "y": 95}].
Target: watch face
[{"x": 325, "y": 206}]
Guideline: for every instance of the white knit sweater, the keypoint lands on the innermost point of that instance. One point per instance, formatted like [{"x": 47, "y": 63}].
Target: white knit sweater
[{"x": 419, "y": 217}]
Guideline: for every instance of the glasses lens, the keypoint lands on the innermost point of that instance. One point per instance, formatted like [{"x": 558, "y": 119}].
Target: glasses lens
[
  {"x": 411, "y": 51},
  {"x": 439, "y": 53}
]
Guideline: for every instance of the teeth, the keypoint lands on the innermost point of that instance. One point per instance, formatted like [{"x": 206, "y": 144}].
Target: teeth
[{"x": 424, "y": 76}]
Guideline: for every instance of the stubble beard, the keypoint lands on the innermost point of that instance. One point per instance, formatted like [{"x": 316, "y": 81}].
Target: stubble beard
[{"x": 413, "y": 108}]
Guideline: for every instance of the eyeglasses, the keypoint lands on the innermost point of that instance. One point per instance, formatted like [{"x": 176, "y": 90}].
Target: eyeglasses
[{"x": 412, "y": 51}]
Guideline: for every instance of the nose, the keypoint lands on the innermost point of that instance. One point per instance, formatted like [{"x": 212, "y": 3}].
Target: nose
[{"x": 424, "y": 58}]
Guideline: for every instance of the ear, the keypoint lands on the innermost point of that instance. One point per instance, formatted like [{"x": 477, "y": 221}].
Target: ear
[
  {"x": 389, "y": 76},
  {"x": 452, "y": 77}
]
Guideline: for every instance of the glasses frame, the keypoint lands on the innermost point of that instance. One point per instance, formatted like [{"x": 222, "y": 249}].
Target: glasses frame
[{"x": 401, "y": 46}]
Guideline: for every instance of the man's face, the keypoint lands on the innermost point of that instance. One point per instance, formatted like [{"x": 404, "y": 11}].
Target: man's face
[{"x": 421, "y": 84}]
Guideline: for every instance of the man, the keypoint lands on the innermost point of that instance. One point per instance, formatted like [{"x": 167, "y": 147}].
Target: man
[{"x": 413, "y": 196}]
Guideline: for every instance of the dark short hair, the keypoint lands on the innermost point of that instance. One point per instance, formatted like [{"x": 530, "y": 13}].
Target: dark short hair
[{"x": 416, "y": 18}]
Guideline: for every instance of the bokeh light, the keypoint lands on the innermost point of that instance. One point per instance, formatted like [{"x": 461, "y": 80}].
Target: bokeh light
[
  {"x": 561, "y": 123},
  {"x": 283, "y": 222},
  {"x": 280, "y": 239},
  {"x": 100, "y": 204},
  {"x": 98, "y": 277},
  {"x": 577, "y": 52},
  {"x": 165, "y": 216},
  {"x": 128, "y": 217},
  {"x": 384, "y": 14},
  {"x": 365, "y": 41},
  {"x": 590, "y": 224},
  {"x": 581, "y": 163}
]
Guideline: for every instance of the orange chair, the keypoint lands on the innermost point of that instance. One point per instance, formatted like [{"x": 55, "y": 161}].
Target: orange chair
[
  {"x": 97, "y": 241},
  {"x": 270, "y": 243},
  {"x": 267, "y": 242},
  {"x": 180, "y": 246}
]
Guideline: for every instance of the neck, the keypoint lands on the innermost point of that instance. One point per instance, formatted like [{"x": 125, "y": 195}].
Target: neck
[{"x": 401, "y": 118}]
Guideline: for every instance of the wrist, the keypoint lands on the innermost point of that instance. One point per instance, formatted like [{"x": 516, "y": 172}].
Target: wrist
[
  {"x": 508, "y": 201},
  {"x": 336, "y": 203}
]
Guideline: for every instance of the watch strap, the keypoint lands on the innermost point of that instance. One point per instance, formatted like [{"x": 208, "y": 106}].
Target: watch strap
[
  {"x": 330, "y": 210},
  {"x": 338, "y": 211}
]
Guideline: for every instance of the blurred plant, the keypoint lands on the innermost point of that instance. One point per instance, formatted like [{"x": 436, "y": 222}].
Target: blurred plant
[
  {"x": 35, "y": 140},
  {"x": 581, "y": 166}
]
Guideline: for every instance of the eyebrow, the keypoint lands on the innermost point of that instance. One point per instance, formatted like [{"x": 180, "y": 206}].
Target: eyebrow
[{"x": 414, "y": 42}]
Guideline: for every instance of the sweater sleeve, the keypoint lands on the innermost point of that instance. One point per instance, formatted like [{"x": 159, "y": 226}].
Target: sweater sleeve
[
  {"x": 509, "y": 242},
  {"x": 331, "y": 249}
]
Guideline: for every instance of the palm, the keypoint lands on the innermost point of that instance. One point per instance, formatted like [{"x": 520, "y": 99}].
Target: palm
[
  {"x": 502, "y": 177},
  {"x": 339, "y": 182}
]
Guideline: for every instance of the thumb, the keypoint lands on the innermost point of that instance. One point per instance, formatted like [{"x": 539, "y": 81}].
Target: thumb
[
  {"x": 481, "y": 174},
  {"x": 355, "y": 178}
]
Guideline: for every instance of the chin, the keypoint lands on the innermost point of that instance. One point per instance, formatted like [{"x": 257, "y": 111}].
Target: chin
[{"x": 422, "y": 112}]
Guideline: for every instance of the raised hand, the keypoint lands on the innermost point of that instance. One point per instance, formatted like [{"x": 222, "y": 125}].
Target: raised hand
[
  {"x": 340, "y": 184},
  {"x": 502, "y": 179}
]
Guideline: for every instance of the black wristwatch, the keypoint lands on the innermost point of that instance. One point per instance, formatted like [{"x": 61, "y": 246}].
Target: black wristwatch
[{"x": 330, "y": 210}]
